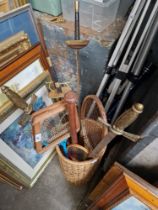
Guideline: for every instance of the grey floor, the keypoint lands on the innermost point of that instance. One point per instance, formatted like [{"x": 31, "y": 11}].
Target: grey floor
[{"x": 51, "y": 192}]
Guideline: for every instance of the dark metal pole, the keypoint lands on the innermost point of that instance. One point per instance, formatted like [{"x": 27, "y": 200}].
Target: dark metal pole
[
  {"x": 138, "y": 63},
  {"x": 127, "y": 30},
  {"x": 125, "y": 66}
]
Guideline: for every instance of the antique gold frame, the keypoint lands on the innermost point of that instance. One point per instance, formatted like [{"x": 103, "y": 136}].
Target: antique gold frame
[
  {"x": 13, "y": 47},
  {"x": 34, "y": 54},
  {"x": 119, "y": 184}
]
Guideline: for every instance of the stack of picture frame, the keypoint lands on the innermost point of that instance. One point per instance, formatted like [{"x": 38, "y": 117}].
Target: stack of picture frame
[{"x": 25, "y": 74}]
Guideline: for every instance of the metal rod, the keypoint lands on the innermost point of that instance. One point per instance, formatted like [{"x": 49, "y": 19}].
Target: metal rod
[
  {"x": 77, "y": 37},
  {"x": 127, "y": 30},
  {"x": 78, "y": 73},
  {"x": 125, "y": 67},
  {"x": 131, "y": 21},
  {"x": 138, "y": 65}
]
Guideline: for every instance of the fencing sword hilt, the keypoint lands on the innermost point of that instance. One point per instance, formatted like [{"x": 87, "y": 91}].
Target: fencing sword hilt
[{"x": 126, "y": 119}]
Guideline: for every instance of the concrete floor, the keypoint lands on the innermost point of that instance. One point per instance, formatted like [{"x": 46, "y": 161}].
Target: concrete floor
[{"x": 51, "y": 192}]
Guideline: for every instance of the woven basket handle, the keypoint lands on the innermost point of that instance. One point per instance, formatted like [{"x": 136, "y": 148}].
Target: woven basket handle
[{"x": 97, "y": 102}]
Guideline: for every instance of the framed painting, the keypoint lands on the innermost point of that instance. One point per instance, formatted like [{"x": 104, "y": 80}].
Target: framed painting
[
  {"x": 19, "y": 33},
  {"x": 20, "y": 19},
  {"x": 16, "y": 142},
  {"x": 23, "y": 76},
  {"x": 120, "y": 189}
]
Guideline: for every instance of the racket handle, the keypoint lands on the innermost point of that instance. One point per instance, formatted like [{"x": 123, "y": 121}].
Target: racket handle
[{"x": 70, "y": 99}]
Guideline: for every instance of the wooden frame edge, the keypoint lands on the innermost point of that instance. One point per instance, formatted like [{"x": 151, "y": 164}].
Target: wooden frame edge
[
  {"x": 22, "y": 62},
  {"x": 117, "y": 185}
]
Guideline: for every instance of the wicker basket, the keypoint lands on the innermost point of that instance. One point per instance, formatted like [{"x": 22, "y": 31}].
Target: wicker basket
[{"x": 79, "y": 173}]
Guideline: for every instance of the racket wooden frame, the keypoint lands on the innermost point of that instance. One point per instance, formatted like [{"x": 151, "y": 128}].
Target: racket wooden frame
[{"x": 43, "y": 114}]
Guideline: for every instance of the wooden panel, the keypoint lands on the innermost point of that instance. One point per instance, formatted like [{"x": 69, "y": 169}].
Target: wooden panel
[
  {"x": 4, "y": 6},
  {"x": 120, "y": 183},
  {"x": 117, "y": 191},
  {"x": 105, "y": 183}
]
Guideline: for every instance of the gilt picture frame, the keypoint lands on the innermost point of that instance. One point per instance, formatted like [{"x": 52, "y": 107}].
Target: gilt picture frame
[
  {"x": 122, "y": 189},
  {"x": 23, "y": 76},
  {"x": 21, "y": 81}
]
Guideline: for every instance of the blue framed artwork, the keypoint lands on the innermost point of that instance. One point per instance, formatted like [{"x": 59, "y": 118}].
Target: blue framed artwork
[
  {"x": 17, "y": 20},
  {"x": 121, "y": 189},
  {"x": 20, "y": 138},
  {"x": 16, "y": 142}
]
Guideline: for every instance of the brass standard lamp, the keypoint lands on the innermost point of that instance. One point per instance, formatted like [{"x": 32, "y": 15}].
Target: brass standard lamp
[{"x": 77, "y": 44}]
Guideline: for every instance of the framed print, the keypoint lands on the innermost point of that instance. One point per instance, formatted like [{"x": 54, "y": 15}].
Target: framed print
[
  {"x": 16, "y": 142},
  {"x": 18, "y": 33},
  {"x": 120, "y": 189},
  {"x": 23, "y": 76},
  {"x": 22, "y": 79}
]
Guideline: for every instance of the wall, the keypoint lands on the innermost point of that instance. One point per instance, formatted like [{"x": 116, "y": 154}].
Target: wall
[{"x": 124, "y": 7}]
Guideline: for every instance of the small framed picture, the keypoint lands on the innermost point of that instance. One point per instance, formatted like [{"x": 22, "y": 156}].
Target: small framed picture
[{"x": 120, "y": 189}]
